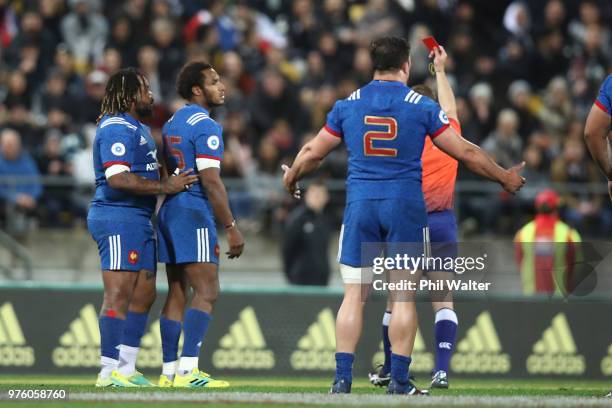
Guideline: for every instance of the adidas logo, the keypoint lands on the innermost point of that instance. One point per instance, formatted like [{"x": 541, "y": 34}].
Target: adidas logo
[
  {"x": 422, "y": 361},
  {"x": 555, "y": 352},
  {"x": 79, "y": 346},
  {"x": 480, "y": 351},
  {"x": 606, "y": 363},
  {"x": 317, "y": 348},
  {"x": 13, "y": 348},
  {"x": 150, "y": 354},
  {"x": 244, "y": 347},
  {"x": 143, "y": 141}
]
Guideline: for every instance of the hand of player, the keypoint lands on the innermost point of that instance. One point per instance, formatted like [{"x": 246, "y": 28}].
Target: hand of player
[
  {"x": 177, "y": 183},
  {"x": 514, "y": 181},
  {"x": 235, "y": 242},
  {"x": 439, "y": 55},
  {"x": 290, "y": 183}
]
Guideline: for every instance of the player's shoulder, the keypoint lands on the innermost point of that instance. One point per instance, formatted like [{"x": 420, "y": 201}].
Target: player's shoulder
[
  {"x": 607, "y": 84},
  {"x": 117, "y": 124}
]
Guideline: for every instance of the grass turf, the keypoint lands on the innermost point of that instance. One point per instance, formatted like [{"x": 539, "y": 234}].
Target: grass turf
[{"x": 260, "y": 391}]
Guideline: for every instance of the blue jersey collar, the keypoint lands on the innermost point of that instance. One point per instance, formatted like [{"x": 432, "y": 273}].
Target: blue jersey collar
[
  {"x": 387, "y": 83},
  {"x": 125, "y": 116},
  {"x": 198, "y": 107}
]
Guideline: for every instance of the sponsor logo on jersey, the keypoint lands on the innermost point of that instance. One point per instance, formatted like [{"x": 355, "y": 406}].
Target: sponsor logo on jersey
[
  {"x": 79, "y": 346},
  {"x": 422, "y": 360},
  {"x": 152, "y": 166},
  {"x": 118, "y": 149},
  {"x": 556, "y": 352},
  {"x": 317, "y": 347},
  {"x": 143, "y": 140},
  {"x": 13, "y": 348},
  {"x": 480, "y": 351},
  {"x": 244, "y": 346},
  {"x": 213, "y": 142}
]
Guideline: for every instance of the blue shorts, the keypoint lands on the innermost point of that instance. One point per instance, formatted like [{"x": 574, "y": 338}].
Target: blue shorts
[
  {"x": 186, "y": 235},
  {"x": 124, "y": 246},
  {"x": 442, "y": 235},
  {"x": 382, "y": 223}
]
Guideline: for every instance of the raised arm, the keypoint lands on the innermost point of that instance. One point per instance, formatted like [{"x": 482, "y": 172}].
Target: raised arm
[
  {"x": 478, "y": 161},
  {"x": 309, "y": 159},
  {"x": 446, "y": 97}
]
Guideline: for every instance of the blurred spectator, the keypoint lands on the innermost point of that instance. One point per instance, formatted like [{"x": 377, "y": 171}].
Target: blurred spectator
[
  {"x": 18, "y": 90},
  {"x": 547, "y": 250},
  {"x": 84, "y": 31},
  {"x": 481, "y": 98},
  {"x": 8, "y": 24},
  {"x": 171, "y": 57},
  {"x": 148, "y": 63},
  {"x": 20, "y": 120},
  {"x": 89, "y": 105},
  {"x": 18, "y": 198},
  {"x": 122, "y": 39},
  {"x": 52, "y": 162},
  {"x": 504, "y": 143},
  {"x": 306, "y": 240},
  {"x": 573, "y": 166},
  {"x": 521, "y": 101}
]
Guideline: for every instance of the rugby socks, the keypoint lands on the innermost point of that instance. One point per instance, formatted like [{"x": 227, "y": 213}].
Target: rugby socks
[
  {"x": 344, "y": 366},
  {"x": 170, "y": 331},
  {"x": 135, "y": 326},
  {"x": 195, "y": 326},
  {"x": 446, "y": 333},
  {"x": 386, "y": 342},
  {"x": 399, "y": 368},
  {"x": 111, "y": 332}
]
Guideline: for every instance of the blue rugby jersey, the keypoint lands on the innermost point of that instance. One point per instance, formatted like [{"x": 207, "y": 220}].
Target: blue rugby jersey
[
  {"x": 123, "y": 140},
  {"x": 384, "y": 125},
  {"x": 189, "y": 135}
]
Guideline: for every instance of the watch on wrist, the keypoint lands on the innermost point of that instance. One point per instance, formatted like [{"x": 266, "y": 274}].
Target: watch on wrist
[{"x": 232, "y": 225}]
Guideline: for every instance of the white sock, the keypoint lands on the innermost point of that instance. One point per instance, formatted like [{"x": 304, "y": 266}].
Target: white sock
[
  {"x": 386, "y": 318},
  {"x": 127, "y": 359},
  {"x": 108, "y": 366},
  {"x": 187, "y": 364},
  {"x": 446, "y": 314},
  {"x": 169, "y": 369}
]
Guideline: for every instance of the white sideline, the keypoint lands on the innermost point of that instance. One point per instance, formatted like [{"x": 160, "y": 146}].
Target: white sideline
[{"x": 349, "y": 400}]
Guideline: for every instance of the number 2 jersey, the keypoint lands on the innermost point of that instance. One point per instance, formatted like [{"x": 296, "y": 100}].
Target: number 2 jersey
[
  {"x": 384, "y": 125},
  {"x": 187, "y": 232}
]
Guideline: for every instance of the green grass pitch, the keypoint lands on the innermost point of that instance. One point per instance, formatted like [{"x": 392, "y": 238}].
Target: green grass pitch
[{"x": 312, "y": 392}]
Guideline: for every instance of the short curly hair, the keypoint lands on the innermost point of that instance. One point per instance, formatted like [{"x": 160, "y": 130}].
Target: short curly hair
[{"x": 191, "y": 75}]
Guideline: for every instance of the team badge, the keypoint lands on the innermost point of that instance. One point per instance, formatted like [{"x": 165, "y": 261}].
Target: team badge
[
  {"x": 133, "y": 257},
  {"x": 443, "y": 117},
  {"x": 213, "y": 142},
  {"x": 118, "y": 149}
]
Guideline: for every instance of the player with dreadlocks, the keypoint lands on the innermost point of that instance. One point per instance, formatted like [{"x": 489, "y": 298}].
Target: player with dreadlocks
[{"x": 119, "y": 220}]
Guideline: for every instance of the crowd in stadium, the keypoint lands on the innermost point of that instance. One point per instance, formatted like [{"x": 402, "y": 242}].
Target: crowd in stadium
[{"x": 525, "y": 73}]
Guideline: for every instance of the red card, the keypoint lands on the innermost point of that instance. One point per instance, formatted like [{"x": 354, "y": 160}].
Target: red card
[{"x": 430, "y": 43}]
